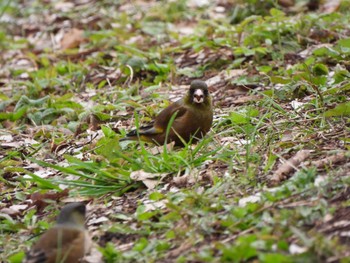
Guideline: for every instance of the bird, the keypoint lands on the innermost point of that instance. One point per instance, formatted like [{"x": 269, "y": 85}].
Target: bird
[
  {"x": 67, "y": 242},
  {"x": 193, "y": 119}
]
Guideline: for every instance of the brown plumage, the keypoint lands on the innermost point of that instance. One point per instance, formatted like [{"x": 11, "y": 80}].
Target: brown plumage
[
  {"x": 193, "y": 119},
  {"x": 67, "y": 242}
]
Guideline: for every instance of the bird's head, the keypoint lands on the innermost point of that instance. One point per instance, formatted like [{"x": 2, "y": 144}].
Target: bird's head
[
  {"x": 72, "y": 214},
  {"x": 198, "y": 93}
]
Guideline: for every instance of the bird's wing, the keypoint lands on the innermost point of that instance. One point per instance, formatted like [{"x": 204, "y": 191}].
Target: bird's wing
[
  {"x": 164, "y": 117},
  {"x": 135, "y": 132},
  {"x": 159, "y": 125},
  {"x": 56, "y": 241}
]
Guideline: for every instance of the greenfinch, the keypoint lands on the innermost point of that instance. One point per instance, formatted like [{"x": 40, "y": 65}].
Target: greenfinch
[
  {"x": 67, "y": 242},
  {"x": 193, "y": 119}
]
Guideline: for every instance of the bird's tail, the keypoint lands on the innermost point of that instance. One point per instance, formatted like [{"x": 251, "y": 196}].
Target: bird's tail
[
  {"x": 143, "y": 133},
  {"x": 132, "y": 135}
]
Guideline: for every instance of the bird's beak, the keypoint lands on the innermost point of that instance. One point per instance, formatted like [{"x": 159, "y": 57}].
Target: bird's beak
[{"x": 198, "y": 96}]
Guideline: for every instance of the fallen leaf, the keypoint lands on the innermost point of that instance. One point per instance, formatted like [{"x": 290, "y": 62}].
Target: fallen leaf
[
  {"x": 39, "y": 199},
  {"x": 72, "y": 39},
  {"x": 152, "y": 205},
  {"x": 18, "y": 207},
  {"x": 6, "y": 138},
  {"x": 331, "y": 160},
  {"x": 98, "y": 220},
  {"x": 286, "y": 3},
  {"x": 147, "y": 178},
  {"x": 295, "y": 249},
  {"x": 95, "y": 256},
  {"x": 160, "y": 149},
  {"x": 289, "y": 166},
  {"x": 8, "y": 211},
  {"x": 330, "y": 6},
  {"x": 249, "y": 199}
]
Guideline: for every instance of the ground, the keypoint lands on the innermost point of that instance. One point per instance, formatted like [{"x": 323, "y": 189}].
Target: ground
[{"x": 269, "y": 182}]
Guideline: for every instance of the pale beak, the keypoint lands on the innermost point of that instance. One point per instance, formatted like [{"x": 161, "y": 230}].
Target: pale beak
[{"x": 198, "y": 96}]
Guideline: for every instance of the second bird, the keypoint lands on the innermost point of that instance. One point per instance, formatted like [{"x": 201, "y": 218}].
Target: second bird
[
  {"x": 193, "y": 119},
  {"x": 67, "y": 242}
]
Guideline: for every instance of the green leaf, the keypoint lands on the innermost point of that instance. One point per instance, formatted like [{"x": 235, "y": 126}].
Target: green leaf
[
  {"x": 154, "y": 28},
  {"x": 320, "y": 69},
  {"x": 241, "y": 250},
  {"x": 13, "y": 116},
  {"x": 244, "y": 51},
  {"x": 25, "y": 101},
  {"x": 274, "y": 257},
  {"x": 276, "y": 12},
  {"x": 146, "y": 215},
  {"x": 340, "y": 110},
  {"x": 264, "y": 69},
  {"x": 341, "y": 75},
  {"x": 344, "y": 45},
  {"x": 137, "y": 63},
  {"x": 326, "y": 51},
  {"x": 43, "y": 183},
  {"x": 110, "y": 253},
  {"x": 16, "y": 258},
  {"x": 280, "y": 80},
  {"x": 155, "y": 196},
  {"x": 319, "y": 81},
  {"x": 141, "y": 244},
  {"x": 238, "y": 118},
  {"x": 108, "y": 132},
  {"x": 108, "y": 147},
  {"x": 163, "y": 246}
]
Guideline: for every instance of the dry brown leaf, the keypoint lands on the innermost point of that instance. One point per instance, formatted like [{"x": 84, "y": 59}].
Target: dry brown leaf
[
  {"x": 295, "y": 249},
  {"x": 94, "y": 122},
  {"x": 245, "y": 99},
  {"x": 75, "y": 199},
  {"x": 39, "y": 199},
  {"x": 179, "y": 250},
  {"x": 330, "y": 160},
  {"x": 187, "y": 179},
  {"x": 330, "y": 6},
  {"x": 48, "y": 129},
  {"x": 63, "y": 6},
  {"x": 224, "y": 76},
  {"x": 13, "y": 210},
  {"x": 151, "y": 205},
  {"x": 289, "y": 166},
  {"x": 160, "y": 149},
  {"x": 95, "y": 256},
  {"x": 72, "y": 39},
  {"x": 98, "y": 220},
  {"x": 286, "y": 3},
  {"x": 147, "y": 178},
  {"x": 249, "y": 199},
  {"x": 8, "y": 211},
  {"x": 181, "y": 181}
]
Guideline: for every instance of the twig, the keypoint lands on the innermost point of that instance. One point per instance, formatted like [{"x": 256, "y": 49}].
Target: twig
[{"x": 289, "y": 166}]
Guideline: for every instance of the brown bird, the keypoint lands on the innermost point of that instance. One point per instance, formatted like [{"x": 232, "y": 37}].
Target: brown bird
[
  {"x": 67, "y": 242},
  {"x": 193, "y": 119}
]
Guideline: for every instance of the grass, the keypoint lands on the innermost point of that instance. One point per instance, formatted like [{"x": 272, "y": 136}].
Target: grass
[{"x": 63, "y": 112}]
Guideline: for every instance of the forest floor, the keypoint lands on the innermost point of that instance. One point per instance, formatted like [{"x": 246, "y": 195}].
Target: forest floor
[{"x": 270, "y": 181}]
